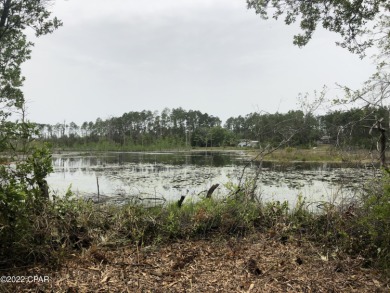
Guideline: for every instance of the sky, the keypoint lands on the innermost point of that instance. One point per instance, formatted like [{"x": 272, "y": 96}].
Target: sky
[{"x": 216, "y": 56}]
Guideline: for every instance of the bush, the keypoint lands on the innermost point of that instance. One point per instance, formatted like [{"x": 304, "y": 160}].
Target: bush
[
  {"x": 42, "y": 230},
  {"x": 376, "y": 220}
]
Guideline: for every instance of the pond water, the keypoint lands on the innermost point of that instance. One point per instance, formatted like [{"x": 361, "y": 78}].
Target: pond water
[{"x": 166, "y": 176}]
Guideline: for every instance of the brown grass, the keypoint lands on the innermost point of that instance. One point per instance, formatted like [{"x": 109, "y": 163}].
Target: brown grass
[
  {"x": 322, "y": 153},
  {"x": 262, "y": 262}
]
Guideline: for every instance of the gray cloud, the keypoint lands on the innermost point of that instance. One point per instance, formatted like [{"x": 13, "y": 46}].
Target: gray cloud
[{"x": 213, "y": 56}]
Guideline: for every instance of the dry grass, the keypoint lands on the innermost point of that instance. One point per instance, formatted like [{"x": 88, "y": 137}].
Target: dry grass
[
  {"x": 262, "y": 262},
  {"x": 323, "y": 153}
]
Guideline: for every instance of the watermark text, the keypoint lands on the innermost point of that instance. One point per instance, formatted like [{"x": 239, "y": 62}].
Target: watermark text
[{"x": 25, "y": 279}]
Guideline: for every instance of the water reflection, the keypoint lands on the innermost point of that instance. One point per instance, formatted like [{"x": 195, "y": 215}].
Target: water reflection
[{"x": 170, "y": 175}]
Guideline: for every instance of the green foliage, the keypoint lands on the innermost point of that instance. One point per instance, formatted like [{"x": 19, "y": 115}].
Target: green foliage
[
  {"x": 15, "y": 17},
  {"x": 357, "y": 22},
  {"x": 49, "y": 230},
  {"x": 271, "y": 129},
  {"x": 23, "y": 193},
  {"x": 200, "y": 218},
  {"x": 23, "y": 187},
  {"x": 23, "y": 180},
  {"x": 276, "y": 212},
  {"x": 294, "y": 128},
  {"x": 290, "y": 149},
  {"x": 375, "y": 220}
]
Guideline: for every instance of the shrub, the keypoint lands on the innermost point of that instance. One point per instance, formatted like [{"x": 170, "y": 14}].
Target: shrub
[{"x": 375, "y": 220}]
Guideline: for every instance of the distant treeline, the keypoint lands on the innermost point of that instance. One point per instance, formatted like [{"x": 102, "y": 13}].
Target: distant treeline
[{"x": 179, "y": 128}]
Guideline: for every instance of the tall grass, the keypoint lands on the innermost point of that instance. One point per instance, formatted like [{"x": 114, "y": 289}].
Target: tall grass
[{"x": 50, "y": 232}]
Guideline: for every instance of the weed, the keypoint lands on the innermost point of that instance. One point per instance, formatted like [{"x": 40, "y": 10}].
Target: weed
[{"x": 50, "y": 231}]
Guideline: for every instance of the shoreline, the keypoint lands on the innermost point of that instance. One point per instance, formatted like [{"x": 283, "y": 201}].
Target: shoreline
[{"x": 286, "y": 155}]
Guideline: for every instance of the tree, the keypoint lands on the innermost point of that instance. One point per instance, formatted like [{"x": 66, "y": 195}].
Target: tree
[
  {"x": 22, "y": 184},
  {"x": 374, "y": 99},
  {"x": 15, "y": 17},
  {"x": 361, "y": 24}
]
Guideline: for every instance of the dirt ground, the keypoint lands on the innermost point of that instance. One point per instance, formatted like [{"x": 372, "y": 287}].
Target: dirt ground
[{"x": 258, "y": 263}]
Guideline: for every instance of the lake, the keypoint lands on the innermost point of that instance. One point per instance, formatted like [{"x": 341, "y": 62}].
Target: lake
[{"x": 166, "y": 176}]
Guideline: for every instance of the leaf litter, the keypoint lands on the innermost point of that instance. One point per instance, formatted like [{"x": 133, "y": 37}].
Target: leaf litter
[{"x": 257, "y": 263}]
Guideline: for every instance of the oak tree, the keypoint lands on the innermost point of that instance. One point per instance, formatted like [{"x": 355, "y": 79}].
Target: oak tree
[
  {"x": 361, "y": 24},
  {"x": 23, "y": 183}
]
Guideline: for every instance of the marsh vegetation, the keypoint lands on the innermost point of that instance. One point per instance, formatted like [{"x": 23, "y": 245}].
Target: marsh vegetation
[{"x": 261, "y": 220}]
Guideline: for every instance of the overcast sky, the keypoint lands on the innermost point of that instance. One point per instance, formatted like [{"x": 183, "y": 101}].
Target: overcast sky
[{"x": 116, "y": 56}]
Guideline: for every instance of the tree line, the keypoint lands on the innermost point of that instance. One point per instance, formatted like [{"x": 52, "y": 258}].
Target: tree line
[
  {"x": 27, "y": 212},
  {"x": 179, "y": 127}
]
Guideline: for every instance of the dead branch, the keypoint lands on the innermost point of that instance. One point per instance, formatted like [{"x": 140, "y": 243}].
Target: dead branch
[
  {"x": 180, "y": 201},
  {"x": 211, "y": 190}
]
